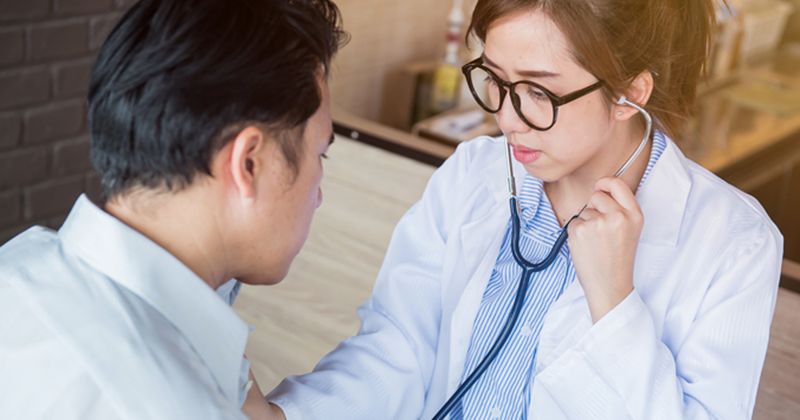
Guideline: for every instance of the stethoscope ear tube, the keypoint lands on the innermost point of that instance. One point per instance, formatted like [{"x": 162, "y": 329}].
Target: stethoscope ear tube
[{"x": 648, "y": 119}]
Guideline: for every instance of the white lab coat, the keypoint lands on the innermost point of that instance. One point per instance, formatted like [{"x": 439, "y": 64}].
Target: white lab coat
[{"x": 688, "y": 342}]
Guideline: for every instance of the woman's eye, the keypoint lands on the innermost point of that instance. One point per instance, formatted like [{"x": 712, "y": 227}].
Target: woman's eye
[
  {"x": 324, "y": 155},
  {"x": 537, "y": 94}
]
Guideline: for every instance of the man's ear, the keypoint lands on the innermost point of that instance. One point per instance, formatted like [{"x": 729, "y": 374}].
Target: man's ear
[
  {"x": 638, "y": 92},
  {"x": 246, "y": 159}
]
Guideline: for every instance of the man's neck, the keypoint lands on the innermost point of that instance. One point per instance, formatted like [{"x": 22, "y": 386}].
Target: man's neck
[{"x": 175, "y": 222}]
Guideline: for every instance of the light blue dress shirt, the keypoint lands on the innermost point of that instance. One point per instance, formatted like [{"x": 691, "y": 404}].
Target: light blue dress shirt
[
  {"x": 503, "y": 392},
  {"x": 99, "y": 322}
]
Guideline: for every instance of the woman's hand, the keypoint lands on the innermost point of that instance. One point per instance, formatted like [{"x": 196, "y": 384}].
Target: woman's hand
[{"x": 603, "y": 243}]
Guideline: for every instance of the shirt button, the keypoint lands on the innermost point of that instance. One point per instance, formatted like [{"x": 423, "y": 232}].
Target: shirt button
[
  {"x": 496, "y": 413},
  {"x": 526, "y": 331}
]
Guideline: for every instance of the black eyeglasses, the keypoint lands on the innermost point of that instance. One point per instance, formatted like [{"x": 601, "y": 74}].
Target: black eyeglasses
[{"x": 535, "y": 105}]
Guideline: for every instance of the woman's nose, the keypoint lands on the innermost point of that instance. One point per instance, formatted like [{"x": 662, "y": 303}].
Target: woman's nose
[{"x": 508, "y": 120}]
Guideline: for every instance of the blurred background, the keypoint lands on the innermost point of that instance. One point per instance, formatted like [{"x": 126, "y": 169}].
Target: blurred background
[{"x": 400, "y": 108}]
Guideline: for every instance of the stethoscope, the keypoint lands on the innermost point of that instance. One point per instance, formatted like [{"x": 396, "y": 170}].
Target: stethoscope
[{"x": 529, "y": 268}]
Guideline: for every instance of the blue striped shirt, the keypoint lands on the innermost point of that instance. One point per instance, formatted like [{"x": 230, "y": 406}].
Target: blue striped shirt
[{"x": 503, "y": 392}]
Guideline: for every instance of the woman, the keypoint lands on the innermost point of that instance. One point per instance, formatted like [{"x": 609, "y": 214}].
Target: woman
[{"x": 660, "y": 302}]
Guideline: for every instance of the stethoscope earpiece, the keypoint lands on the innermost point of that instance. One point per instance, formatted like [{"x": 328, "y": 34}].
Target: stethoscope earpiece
[{"x": 622, "y": 100}]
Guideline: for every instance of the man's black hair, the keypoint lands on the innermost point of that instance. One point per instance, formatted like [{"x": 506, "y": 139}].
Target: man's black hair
[{"x": 175, "y": 75}]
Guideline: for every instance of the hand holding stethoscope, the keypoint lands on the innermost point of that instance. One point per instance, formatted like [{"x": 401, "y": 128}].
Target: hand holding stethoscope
[
  {"x": 604, "y": 235},
  {"x": 602, "y": 242}
]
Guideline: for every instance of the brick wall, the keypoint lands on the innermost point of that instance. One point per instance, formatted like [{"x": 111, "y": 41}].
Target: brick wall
[{"x": 47, "y": 48}]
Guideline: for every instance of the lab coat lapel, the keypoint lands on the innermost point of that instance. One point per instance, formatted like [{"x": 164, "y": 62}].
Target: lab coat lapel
[
  {"x": 663, "y": 198},
  {"x": 482, "y": 231}
]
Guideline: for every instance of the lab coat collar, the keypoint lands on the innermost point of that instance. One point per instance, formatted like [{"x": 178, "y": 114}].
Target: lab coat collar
[
  {"x": 662, "y": 197},
  {"x": 133, "y": 261}
]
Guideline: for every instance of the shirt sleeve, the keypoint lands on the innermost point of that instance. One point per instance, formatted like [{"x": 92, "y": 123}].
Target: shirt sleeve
[{"x": 621, "y": 368}]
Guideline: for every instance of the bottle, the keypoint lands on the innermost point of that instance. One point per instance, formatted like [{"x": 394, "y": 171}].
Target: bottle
[{"x": 447, "y": 76}]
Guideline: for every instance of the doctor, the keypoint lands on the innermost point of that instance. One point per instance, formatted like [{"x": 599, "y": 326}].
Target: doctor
[
  {"x": 659, "y": 304},
  {"x": 210, "y": 121}
]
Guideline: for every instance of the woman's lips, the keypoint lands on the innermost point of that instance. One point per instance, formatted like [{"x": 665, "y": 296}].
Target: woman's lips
[{"x": 524, "y": 155}]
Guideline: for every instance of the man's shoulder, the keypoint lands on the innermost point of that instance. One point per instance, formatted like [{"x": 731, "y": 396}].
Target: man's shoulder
[
  {"x": 36, "y": 354},
  {"x": 31, "y": 246},
  {"x": 40, "y": 277},
  {"x": 67, "y": 314},
  {"x": 71, "y": 295},
  {"x": 35, "y": 360},
  {"x": 35, "y": 263}
]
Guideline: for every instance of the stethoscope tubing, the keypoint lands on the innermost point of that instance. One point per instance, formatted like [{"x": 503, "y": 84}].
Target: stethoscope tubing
[{"x": 528, "y": 269}]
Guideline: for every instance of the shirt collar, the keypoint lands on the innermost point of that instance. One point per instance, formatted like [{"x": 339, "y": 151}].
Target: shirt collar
[
  {"x": 537, "y": 212},
  {"x": 138, "y": 264}
]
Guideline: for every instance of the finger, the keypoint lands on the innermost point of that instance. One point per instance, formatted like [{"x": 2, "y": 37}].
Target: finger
[
  {"x": 619, "y": 191},
  {"x": 574, "y": 224},
  {"x": 589, "y": 214},
  {"x": 603, "y": 202}
]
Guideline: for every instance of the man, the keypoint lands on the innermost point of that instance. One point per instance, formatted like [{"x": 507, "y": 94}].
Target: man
[{"x": 209, "y": 123}]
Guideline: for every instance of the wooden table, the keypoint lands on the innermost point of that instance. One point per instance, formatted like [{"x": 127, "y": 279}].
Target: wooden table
[{"x": 366, "y": 192}]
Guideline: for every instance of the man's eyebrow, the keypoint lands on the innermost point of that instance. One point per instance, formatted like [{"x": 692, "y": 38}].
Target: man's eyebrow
[
  {"x": 534, "y": 74},
  {"x": 332, "y": 139}
]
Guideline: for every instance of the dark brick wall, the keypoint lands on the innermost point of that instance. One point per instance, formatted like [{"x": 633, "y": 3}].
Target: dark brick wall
[{"x": 47, "y": 49}]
